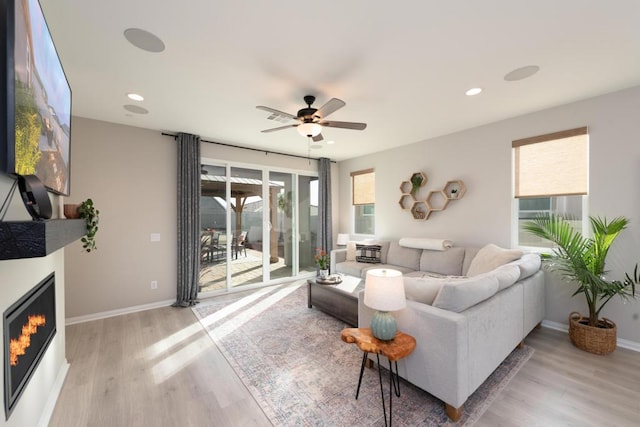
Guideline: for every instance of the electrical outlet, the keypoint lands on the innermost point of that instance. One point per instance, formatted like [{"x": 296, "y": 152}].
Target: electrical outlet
[{"x": 154, "y": 284}]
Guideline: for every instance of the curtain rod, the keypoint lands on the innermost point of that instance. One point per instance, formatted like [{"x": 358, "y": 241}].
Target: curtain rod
[{"x": 252, "y": 149}]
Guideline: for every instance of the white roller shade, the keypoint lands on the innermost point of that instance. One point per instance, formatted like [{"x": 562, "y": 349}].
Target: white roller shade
[{"x": 552, "y": 165}]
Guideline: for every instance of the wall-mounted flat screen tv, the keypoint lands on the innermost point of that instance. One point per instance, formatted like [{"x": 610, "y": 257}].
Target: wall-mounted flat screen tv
[{"x": 35, "y": 126}]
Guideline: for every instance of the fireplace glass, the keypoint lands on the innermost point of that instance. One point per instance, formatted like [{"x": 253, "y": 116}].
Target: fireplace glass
[{"x": 29, "y": 328}]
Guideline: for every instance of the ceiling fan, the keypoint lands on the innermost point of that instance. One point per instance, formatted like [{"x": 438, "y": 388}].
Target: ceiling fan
[{"x": 311, "y": 120}]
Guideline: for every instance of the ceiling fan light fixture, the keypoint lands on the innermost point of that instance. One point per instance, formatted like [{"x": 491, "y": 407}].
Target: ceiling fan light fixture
[{"x": 309, "y": 129}]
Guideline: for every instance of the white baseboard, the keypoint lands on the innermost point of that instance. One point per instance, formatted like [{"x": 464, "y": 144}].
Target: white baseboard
[
  {"x": 118, "y": 312},
  {"x": 53, "y": 396},
  {"x": 630, "y": 345}
]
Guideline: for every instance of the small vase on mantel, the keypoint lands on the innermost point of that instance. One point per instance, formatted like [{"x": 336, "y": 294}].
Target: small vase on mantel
[
  {"x": 323, "y": 274},
  {"x": 71, "y": 211}
]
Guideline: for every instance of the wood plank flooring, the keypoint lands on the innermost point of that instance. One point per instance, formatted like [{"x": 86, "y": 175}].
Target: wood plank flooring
[{"x": 159, "y": 368}]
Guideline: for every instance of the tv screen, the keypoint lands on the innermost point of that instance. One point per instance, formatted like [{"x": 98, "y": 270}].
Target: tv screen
[{"x": 36, "y": 128}]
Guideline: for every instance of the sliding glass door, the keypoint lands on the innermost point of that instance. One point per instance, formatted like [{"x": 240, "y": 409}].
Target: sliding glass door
[
  {"x": 245, "y": 243},
  {"x": 281, "y": 225},
  {"x": 308, "y": 222},
  {"x": 213, "y": 222},
  {"x": 258, "y": 226}
]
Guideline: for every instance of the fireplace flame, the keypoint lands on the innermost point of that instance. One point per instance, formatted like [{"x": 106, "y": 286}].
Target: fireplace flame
[{"x": 18, "y": 347}]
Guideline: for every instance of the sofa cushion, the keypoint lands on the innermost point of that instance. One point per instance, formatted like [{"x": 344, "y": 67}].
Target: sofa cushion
[
  {"x": 403, "y": 256},
  {"x": 460, "y": 294},
  {"x": 448, "y": 263},
  {"x": 506, "y": 275},
  {"x": 491, "y": 257},
  {"x": 528, "y": 264},
  {"x": 422, "y": 290},
  {"x": 352, "y": 268},
  {"x": 368, "y": 254}
]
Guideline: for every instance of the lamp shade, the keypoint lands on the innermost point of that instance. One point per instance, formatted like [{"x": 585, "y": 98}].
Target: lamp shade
[
  {"x": 343, "y": 239},
  {"x": 309, "y": 129},
  {"x": 384, "y": 290}
]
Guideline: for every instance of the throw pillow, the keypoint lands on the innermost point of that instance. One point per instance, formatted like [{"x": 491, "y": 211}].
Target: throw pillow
[
  {"x": 422, "y": 290},
  {"x": 491, "y": 257},
  {"x": 368, "y": 254},
  {"x": 458, "y": 295},
  {"x": 351, "y": 251}
]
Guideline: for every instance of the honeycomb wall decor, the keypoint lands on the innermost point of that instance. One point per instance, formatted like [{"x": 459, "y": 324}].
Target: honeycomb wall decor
[{"x": 436, "y": 200}]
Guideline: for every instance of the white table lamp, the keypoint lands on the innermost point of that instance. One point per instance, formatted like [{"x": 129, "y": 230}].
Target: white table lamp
[
  {"x": 384, "y": 292},
  {"x": 343, "y": 239}
]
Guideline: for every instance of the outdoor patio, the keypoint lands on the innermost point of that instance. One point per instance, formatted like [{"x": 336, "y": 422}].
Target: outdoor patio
[{"x": 245, "y": 270}]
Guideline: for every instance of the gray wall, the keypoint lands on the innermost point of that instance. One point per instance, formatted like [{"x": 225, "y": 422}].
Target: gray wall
[
  {"x": 130, "y": 173},
  {"x": 481, "y": 157}
]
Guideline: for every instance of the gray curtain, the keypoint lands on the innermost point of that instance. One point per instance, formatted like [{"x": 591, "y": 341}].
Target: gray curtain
[
  {"x": 188, "y": 219},
  {"x": 325, "y": 232}
]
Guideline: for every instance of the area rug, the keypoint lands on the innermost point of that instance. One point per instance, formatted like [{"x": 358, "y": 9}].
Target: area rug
[{"x": 297, "y": 368}]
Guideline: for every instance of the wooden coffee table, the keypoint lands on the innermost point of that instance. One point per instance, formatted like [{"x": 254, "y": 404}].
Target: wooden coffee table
[{"x": 340, "y": 300}]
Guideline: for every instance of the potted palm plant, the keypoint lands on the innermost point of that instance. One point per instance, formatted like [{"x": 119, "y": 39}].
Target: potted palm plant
[{"x": 581, "y": 260}]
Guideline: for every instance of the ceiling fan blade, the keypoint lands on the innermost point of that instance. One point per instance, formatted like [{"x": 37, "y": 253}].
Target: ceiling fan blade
[
  {"x": 344, "y": 125},
  {"x": 318, "y": 138},
  {"x": 277, "y": 115},
  {"x": 332, "y": 105},
  {"x": 278, "y": 128}
]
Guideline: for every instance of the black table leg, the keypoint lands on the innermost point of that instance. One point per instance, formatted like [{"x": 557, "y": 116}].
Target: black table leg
[
  {"x": 394, "y": 385},
  {"x": 384, "y": 408},
  {"x": 395, "y": 378},
  {"x": 364, "y": 361}
]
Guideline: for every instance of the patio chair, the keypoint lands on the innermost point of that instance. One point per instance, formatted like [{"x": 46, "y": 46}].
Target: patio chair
[{"x": 239, "y": 244}]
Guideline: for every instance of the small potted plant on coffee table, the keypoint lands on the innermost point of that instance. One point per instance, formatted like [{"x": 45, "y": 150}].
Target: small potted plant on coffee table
[{"x": 322, "y": 259}]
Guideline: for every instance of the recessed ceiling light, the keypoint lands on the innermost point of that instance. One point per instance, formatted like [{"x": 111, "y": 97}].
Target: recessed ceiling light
[
  {"x": 521, "y": 73},
  {"x": 473, "y": 91},
  {"x": 136, "y": 109},
  {"x": 135, "y": 97},
  {"x": 331, "y": 141},
  {"x": 144, "y": 40}
]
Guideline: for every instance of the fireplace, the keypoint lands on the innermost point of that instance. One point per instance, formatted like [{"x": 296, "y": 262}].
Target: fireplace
[{"x": 29, "y": 328}]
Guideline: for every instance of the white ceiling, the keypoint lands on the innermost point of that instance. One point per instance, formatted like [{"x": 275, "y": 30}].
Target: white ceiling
[{"x": 402, "y": 68}]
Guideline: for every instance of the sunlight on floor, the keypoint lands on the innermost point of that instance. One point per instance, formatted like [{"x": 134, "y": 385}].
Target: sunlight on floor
[
  {"x": 234, "y": 323},
  {"x": 178, "y": 360},
  {"x": 235, "y": 306},
  {"x": 174, "y": 363},
  {"x": 172, "y": 340}
]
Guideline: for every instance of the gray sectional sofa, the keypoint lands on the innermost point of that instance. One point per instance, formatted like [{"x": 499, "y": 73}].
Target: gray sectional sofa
[{"x": 468, "y": 309}]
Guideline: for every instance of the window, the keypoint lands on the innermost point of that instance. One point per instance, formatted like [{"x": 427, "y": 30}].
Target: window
[
  {"x": 551, "y": 176},
  {"x": 364, "y": 198}
]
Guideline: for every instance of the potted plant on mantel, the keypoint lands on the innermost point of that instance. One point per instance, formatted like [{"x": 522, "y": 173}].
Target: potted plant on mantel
[
  {"x": 581, "y": 260},
  {"x": 90, "y": 214}
]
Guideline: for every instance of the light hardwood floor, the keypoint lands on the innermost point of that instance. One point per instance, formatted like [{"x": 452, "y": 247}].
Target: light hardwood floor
[{"x": 159, "y": 368}]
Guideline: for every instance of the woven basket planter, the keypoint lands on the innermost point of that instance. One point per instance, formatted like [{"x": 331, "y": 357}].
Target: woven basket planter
[{"x": 598, "y": 340}]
